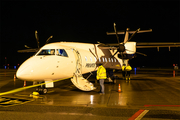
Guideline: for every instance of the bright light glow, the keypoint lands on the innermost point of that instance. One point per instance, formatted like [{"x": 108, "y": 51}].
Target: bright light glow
[
  {"x": 91, "y": 98},
  {"x": 135, "y": 70}
]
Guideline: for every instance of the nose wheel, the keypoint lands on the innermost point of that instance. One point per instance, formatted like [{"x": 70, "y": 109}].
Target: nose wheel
[{"x": 41, "y": 90}]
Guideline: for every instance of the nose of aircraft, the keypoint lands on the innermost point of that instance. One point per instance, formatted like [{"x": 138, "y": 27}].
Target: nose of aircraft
[{"x": 24, "y": 72}]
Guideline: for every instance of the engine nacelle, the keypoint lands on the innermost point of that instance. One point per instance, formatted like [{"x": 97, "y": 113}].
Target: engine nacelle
[{"x": 130, "y": 47}]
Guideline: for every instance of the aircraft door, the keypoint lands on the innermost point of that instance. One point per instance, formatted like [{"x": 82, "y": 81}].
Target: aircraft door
[
  {"x": 78, "y": 80},
  {"x": 78, "y": 59}
]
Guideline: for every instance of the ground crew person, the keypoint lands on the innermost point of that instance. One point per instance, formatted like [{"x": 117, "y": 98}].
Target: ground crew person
[
  {"x": 101, "y": 75},
  {"x": 123, "y": 71},
  {"x": 128, "y": 69}
]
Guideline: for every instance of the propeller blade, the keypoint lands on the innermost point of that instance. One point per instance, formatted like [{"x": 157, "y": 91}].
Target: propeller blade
[
  {"x": 115, "y": 54},
  {"x": 47, "y": 41},
  {"x": 141, "y": 53},
  {"x": 137, "y": 52},
  {"x": 26, "y": 46},
  {"x": 37, "y": 38},
  {"x": 132, "y": 36},
  {"x": 93, "y": 54},
  {"x": 116, "y": 33},
  {"x": 122, "y": 57},
  {"x": 96, "y": 50}
]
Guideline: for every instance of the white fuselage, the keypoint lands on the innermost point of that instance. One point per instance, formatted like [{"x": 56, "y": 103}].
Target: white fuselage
[{"x": 81, "y": 56}]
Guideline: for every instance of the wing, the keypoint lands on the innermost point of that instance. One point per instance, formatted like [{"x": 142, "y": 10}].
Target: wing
[
  {"x": 157, "y": 45},
  {"x": 108, "y": 46},
  {"x": 142, "y": 45},
  {"x": 131, "y": 32}
]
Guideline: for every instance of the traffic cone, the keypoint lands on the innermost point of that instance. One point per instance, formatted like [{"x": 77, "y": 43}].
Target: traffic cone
[
  {"x": 14, "y": 76},
  {"x": 174, "y": 73},
  {"x": 24, "y": 83},
  {"x": 119, "y": 88}
]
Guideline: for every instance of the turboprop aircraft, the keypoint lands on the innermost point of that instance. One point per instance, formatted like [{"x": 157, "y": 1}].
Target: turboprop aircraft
[{"x": 61, "y": 60}]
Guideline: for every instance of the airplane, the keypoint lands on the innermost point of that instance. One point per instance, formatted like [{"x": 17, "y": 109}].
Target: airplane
[{"x": 62, "y": 60}]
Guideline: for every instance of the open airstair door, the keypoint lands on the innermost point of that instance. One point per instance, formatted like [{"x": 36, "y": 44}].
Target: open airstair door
[{"x": 78, "y": 80}]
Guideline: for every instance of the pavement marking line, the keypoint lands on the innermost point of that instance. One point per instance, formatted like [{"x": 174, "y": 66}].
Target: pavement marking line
[
  {"x": 27, "y": 87},
  {"x": 161, "y": 105},
  {"x": 138, "y": 115},
  {"x": 13, "y": 101},
  {"x": 142, "y": 115}
]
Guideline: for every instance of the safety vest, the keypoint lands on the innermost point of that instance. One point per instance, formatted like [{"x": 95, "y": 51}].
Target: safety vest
[
  {"x": 128, "y": 68},
  {"x": 123, "y": 68},
  {"x": 101, "y": 73}
]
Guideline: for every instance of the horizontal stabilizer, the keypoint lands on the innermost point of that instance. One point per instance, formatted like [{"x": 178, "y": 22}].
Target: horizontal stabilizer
[{"x": 123, "y": 32}]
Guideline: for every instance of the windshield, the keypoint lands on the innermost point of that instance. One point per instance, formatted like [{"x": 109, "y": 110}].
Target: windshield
[
  {"x": 47, "y": 52},
  {"x": 61, "y": 52}
]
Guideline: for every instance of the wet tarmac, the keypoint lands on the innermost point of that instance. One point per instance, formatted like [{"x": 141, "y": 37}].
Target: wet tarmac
[{"x": 151, "y": 94}]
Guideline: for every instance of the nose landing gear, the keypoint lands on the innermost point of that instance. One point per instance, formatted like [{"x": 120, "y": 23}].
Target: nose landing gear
[{"x": 41, "y": 89}]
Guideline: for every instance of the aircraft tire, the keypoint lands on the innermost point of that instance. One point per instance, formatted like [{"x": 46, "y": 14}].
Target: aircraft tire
[
  {"x": 40, "y": 91},
  {"x": 37, "y": 89},
  {"x": 45, "y": 90}
]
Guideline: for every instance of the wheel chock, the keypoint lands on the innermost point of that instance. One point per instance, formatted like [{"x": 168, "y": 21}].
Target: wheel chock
[{"x": 35, "y": 93}]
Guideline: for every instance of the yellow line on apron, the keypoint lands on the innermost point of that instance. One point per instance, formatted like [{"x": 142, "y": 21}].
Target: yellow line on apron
[{"x": 27, "y": 87}]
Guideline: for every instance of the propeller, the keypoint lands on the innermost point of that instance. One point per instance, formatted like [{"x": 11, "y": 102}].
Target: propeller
[
  {"x": 35, "y": 49},
  {"x": 121, "y": 47},
  {"x": 37, "y": 39}
]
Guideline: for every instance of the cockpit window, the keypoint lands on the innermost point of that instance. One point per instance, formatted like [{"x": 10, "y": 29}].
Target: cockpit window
[
  {"x": 47, "y": 52},
  {"x": 61, "y": 52}
]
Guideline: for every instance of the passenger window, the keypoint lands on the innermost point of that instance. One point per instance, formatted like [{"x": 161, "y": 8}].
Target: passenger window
[
  {"x": 61, "y": 52},
  {"x": 105, "y": 59},
  {"x": 47, "y": 52},
  {"x": 91, "y": 59},
  {"x": 95, "y": 59},
  {"x": 85, "y": 58}
]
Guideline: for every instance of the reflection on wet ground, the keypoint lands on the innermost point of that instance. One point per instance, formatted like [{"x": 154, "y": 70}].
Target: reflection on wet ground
[{"x": 146, "y": 88}]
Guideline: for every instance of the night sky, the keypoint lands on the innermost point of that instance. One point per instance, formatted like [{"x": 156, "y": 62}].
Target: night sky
[{"x": 78, "y": 21}]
